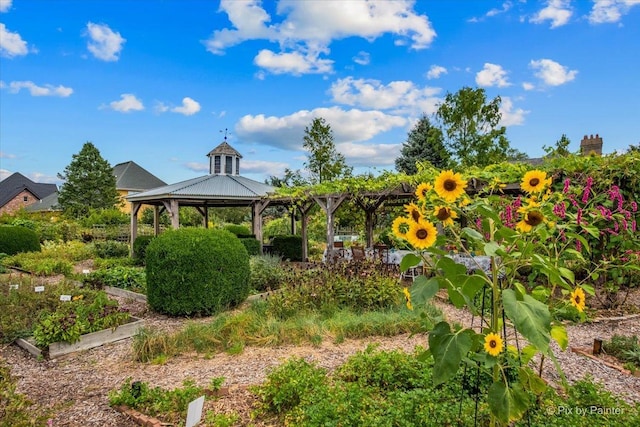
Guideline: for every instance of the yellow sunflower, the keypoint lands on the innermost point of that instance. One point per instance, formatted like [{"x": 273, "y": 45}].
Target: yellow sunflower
[
  {"x": 407, "y": 295},
  {"x": 422, "y": 190},
  {"x": 445, "y": 214},
  {"x": 530, "y": 220},
  {"x": 493, "y": 344},
  {"x": 422, "y": 234},
  {"x": 400, "y": 226},
  {"x": 535, "y": 181},
  {"x": 578, "y": 299},
  {"x": 413, "y": 211},
  {"x": 449, "y": 185}
]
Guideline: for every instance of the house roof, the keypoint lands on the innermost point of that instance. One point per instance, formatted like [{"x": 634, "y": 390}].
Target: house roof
[
  {"x": 131, "y": 176},
  {"x": 15, "y": 183},
  {"x": 224, "y": 148},
  {"x": 211, "y": 188},
  {"x": 49, "y": 203}
]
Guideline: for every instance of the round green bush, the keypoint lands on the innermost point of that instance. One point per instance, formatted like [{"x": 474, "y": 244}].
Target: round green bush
[
  {"x": 238, "y": 229},
  {"x": 196, "y": 271},
  {"x": 252, "y": 244},
  {"x": 140, "y": 247},
  {"x": 18, "y": 239}
]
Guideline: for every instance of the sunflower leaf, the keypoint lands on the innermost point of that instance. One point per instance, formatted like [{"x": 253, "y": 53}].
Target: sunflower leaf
[
  {"x": 530, "y": 317},
  {"x": 448, "y": 348}
]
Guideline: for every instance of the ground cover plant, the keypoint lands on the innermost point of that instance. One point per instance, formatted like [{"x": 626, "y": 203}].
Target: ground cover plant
[
  {"x": 123, "y": 277},
  {"x": 54, "y": 258},
  {"x": 16, "y": 410},
  {"x": 624, "y": 348},
  {"x": 394, "y": 388}
]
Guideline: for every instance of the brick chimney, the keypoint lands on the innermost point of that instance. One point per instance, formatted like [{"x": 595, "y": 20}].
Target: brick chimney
[{"x": 591, "y": 145}]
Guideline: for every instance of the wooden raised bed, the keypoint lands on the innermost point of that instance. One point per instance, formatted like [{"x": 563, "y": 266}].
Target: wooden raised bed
[
  {"x": 87, "y": 341},
  {"x": 119, "y": 292}
]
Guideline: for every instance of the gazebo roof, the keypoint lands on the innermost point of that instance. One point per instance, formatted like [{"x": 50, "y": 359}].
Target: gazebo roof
[{"x": 212, "y": 189}]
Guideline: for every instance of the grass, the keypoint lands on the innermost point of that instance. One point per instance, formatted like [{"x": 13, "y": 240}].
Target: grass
[{"x": 232, "y": 332}]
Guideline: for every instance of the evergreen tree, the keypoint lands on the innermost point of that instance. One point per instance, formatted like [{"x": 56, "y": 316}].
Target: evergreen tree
[
  {"x": 470, "y": 125},
  {"x": 89, "y": 183},
  {"x": 324, "y": 162},
  {"x": 561, "y": 148},
  {"x": 424, "y": 142}
]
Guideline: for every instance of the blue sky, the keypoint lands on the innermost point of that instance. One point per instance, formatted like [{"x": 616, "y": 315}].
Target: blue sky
[{"x": 157, "y": 81}]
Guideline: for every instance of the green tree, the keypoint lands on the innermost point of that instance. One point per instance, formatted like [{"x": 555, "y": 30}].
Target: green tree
[
  {"x": 290, "y": 178},
  {"x": 89, "y": 183},
  {"x": 561, "y": 148},
  {"x": 324, "y": 162},
  {"x": 470, "y": 125},
  {"x": 424, "y": 142}
]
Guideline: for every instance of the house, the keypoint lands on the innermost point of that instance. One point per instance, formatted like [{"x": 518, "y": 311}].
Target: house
[
  {"x": 131, "y": 178},
  {"x": 17, "y": 191}
]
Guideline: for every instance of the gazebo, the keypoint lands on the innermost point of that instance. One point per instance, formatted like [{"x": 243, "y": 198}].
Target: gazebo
[{"x": 222, "y": 187}]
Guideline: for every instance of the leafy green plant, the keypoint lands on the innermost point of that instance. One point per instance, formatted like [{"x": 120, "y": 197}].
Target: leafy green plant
[
  {"x": 169, "y": 405},
  {"x": 624, "y": 348},
  {"x": 267, "y": 273},
  {"x": 140, "y": 248},
  {"x": 288, "y": 247},
  {"x": 16, "y": 239},
  {"x": 130, "y": 278},
  {"x": 16, "y": 410},
  {"x": 111, "y": 249}
]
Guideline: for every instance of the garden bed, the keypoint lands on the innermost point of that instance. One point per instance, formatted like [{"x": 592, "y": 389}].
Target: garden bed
[
  {"x": 87, "y": 341},
  {"x": 119, "y": 292}
]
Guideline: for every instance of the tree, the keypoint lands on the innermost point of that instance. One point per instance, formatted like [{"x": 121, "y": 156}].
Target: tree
[
  {"x": 561, "y": 148},
  {"x": 89, "y": 183},
  {"x": 424, "y": 142},
  {"x": 290, "y": 178},
  {"x": 470, "y": 125},
  {"x": 324, "y": 162}
]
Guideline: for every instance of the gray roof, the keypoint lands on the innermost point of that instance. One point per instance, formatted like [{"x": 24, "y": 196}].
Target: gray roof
[
  {"x": 224, "y": 148},
  {"x": 15, "y": 183},
  {"x": 49, "y": 203},
  {"x": 208, "y": 188},
  {"x": 131, "y": 176}
]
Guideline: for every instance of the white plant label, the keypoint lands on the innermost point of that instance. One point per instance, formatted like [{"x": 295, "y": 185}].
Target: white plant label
[
  {"x": 65, "y": 297},
  {"x": 194, "y": 412},
  {"x": 39, "y": 289},
  {"x": 85, "y": 271},
  {"x": 14, "y": 286}
]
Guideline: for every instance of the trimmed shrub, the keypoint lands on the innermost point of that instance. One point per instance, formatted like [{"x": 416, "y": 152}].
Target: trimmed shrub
[
  {"x": 288, "y": 247},
  {"x": 196, "y": 271},
  {"x": 18, "y": 239},
  {"x": 238, "y": 230},
  {"x": 251, "y": 244},
  {"x": 140, "y": 247}
]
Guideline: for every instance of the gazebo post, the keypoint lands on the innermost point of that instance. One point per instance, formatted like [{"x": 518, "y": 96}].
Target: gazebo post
[
  {"x": 329, "y": 205},
  {"x": 135, "y": 207},
  {"x": 257, "y": 208},
  {"x": 173, "y": 208},
  {"x": 305, "y": 208},
  {"x": 156, "y": 220}
]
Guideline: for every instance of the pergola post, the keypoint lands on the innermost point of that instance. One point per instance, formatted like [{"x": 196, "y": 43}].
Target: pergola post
[
  {"x": 135, "y": 207},
  {"x": 305, "y": 209},
  {"x": 370, "y": 207},
  {"x": 329, "y": 205},
  {"x": 257, "y": 208}
]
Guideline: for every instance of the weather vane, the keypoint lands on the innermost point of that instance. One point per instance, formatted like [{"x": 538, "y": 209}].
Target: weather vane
[{"x": 225, "y": 134}]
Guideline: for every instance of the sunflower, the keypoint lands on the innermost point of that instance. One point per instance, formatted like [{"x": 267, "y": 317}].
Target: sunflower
[
  {"x": 445, "y": 214},
  {"x": 577, "y": 299},
  {"x": 413, "y": 211},
  {"x": 407, "y": 295},
  {"x": 531, "y": 219},
  {"x": 535, "y": 181},
  {"x": 422, "y": 190},
  {"x": 400, "y": 226},
  {"x": 493, "y": 344},
  {"x": 422, "y": 234},
  {"x": 449, "y": 185}
]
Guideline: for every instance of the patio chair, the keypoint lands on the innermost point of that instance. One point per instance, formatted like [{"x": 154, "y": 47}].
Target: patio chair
[{"x": 357, "y": 253}]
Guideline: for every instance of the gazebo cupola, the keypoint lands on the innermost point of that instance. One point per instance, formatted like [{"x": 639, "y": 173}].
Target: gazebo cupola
[{"x": 224, "y": 160}]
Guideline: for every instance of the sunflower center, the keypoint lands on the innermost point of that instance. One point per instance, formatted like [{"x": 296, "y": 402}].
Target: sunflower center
[
  {"x": 534, "y": 181},
  {"x": 577, "y": 299},
  {"x": 415, "y": 215},
  {"x": 534, "y": 218},
  {"x": 493, "y": 344},
  {"x": 443, "y": 214},
  {"x": 422, "y": 234},
  {"x": 450, "y": 185}
]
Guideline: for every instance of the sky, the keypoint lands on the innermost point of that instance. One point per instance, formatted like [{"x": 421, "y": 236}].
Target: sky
[{"x": 159, "y": 81}]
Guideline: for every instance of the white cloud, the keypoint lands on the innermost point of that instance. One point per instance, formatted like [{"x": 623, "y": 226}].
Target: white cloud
[
  {"x": 511, "y": 116},
  {"x": 505, "y": 8},
  {"x": 4, "y": 155},
  {"x": 287, "y": 132},
  {"x": 557, "y": 11},
  {"x": 128, "y": 102},
  {"x": 11, "y": 44},
  {"x": 610, "y": 11},
  {"x": 369, "y": 154},
  {"x": 308, "y": 28},
  {"x": 492, "y": 75},
  {"x": 362, "y": 58},
  {"x": 551, "y": 72},
  {"x": 197, "y": 166},
  {"x": 295, "y": 63},
  {"x": 436, "y": 71},
  {"x": 396, "y": 96},
  {"x": 262, "y": 166},
  {"x": 528, "y": 86},
  {"x": 104, "y": 44},
  {"x": 5, "y": 5},
  {"x": 189, "y": 107},
  {"x": 160, "y": 107},
  {"x": 5, "y": 174},
  {"x": 35, "y": 90}
]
